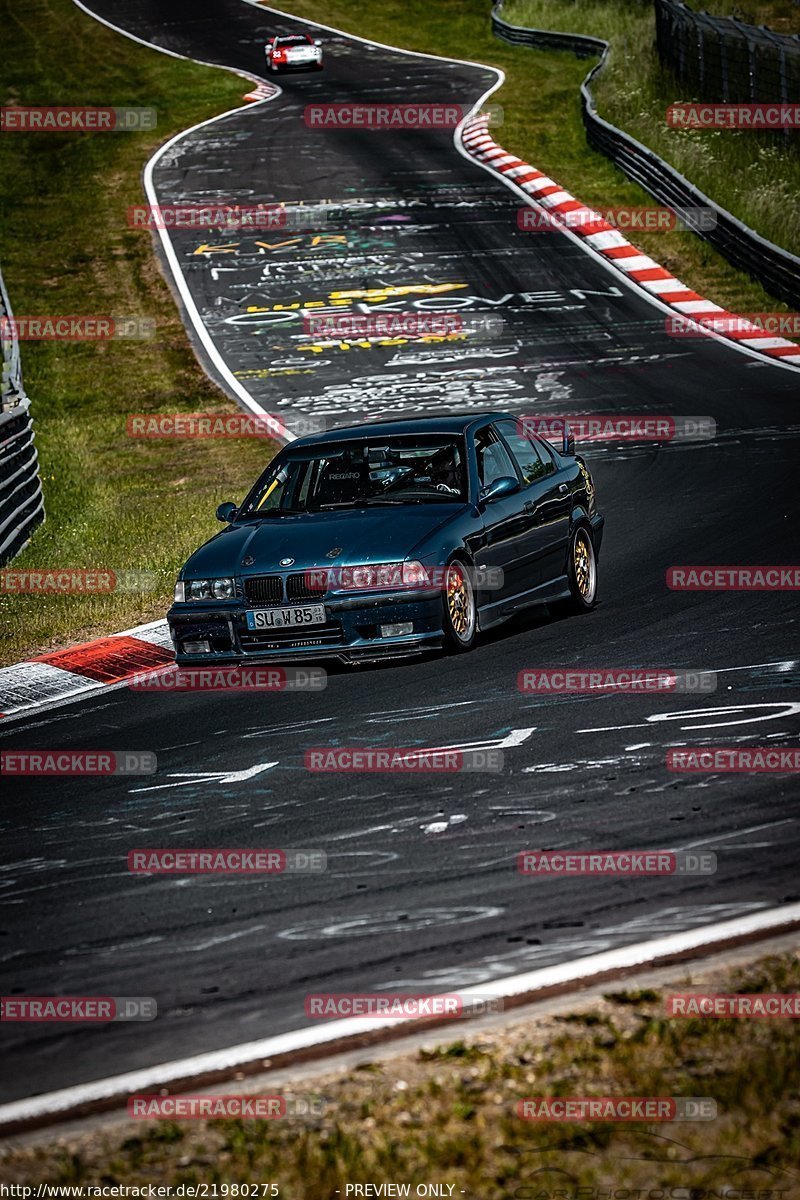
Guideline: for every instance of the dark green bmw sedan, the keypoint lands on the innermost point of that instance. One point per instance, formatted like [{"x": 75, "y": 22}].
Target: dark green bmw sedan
[{"x": 390, "y": 539}]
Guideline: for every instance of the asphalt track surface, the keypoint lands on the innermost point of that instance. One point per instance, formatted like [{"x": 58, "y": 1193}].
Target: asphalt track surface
[{"x": 421, "y": 891}]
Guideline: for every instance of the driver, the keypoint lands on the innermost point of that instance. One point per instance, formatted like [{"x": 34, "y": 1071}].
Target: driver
[{"x": 446, "y": 472}]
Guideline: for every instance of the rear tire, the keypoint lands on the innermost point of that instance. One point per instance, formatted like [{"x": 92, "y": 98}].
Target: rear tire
[
  {"x": 459, "y": 611},
  {"x": 582, "y": 574}
]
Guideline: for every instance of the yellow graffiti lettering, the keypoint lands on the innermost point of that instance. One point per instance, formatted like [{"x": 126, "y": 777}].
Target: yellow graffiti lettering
[
  {"x": 426, "y": 289},
  {"x": 277, "y": 245},
  {"x": 231, "y": 248}
]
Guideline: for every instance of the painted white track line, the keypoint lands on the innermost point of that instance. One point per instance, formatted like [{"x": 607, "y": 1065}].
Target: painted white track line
[
  {"x": 199, "y": 327},
  {"x": 110, "y": 1092}
]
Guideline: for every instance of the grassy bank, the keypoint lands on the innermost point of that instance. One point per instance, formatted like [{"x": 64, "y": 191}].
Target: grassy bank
[
  {"x": 449, "y": 1114},
  {"x": 754, "y": 176},
  {"x": 780, "y": 15},
  {"x": 65, "y": 248}
]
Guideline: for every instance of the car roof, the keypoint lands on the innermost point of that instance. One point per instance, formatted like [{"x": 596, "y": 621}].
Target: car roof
[{"x": 453, "y": 423}]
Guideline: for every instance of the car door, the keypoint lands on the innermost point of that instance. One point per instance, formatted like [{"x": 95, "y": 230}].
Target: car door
[
  {"x": 505, "y": 523},
  {"x": 547, "y": 499}
]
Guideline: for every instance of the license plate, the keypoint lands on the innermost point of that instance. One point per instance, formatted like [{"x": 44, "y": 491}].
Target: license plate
[{"x": 281, "y": 618}]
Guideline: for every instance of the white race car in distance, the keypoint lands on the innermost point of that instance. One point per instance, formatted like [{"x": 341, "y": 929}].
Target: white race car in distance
[{"x": 293, "y": 52}]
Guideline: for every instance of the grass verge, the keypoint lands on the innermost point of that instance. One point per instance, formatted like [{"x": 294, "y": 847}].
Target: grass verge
[
  {"x": 112, "y": 503},
  {"x": 449, "y": 1114},
  {"x": 779, "y": 15}
]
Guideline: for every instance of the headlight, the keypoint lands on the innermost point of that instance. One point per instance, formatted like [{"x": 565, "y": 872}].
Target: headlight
[
  {"x": 382, "y": 576},
  {"x": 223, "y": 589},
  {"x": 205, "y": 589},
  {"x": 415, "y": 575}
]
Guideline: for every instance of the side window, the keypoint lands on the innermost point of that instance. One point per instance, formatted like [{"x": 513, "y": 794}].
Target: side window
[
  {"x": 534, "y": 463},
  {"x": 493, "y": 459}
]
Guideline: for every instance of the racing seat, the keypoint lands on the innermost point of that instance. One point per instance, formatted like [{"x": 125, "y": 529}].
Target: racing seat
[
  {"x": 493, "y": 464},
  {"x": 343, "y": 481}
]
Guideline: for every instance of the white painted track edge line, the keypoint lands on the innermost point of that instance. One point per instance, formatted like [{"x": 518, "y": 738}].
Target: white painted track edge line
[
  {"x": 179, "y": 278},
  {"x": 582, "y": 971}
]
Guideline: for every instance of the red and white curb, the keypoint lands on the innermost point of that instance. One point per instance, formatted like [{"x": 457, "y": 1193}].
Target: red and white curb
[
  {"x": 59, "y": 677},
  {"x": 320, "y": 1041},
  {"x": 264, "y": 91},
  {"x": 618, "y": 252}
]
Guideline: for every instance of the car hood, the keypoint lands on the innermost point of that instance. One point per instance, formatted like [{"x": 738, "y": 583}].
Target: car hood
[{"x": 380, "y": 534}]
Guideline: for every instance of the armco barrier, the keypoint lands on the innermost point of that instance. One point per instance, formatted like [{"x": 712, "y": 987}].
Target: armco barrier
[
  {"x": 21, "y": 500},
  {"x": 775, "y": 269}
]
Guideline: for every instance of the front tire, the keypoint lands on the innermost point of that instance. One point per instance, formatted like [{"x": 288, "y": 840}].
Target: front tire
[
  {"x": 581, "y": 572},
  {"x": 460, "y": 616}
]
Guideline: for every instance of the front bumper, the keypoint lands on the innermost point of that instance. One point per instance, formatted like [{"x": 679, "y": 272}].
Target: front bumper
[
  {"x": 351, "y": 632},
  {"x": 311, "y": 64}
]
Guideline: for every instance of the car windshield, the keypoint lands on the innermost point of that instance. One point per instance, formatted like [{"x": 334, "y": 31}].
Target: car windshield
[
  {"x": 293, "y": 41},
  {"x": 355, "y": 474}
]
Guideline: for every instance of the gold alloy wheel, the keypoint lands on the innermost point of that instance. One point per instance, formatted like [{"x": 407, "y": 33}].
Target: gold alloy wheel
[
  {"x": 583, "y": 565},
  {"x": 459, "y": 603}
]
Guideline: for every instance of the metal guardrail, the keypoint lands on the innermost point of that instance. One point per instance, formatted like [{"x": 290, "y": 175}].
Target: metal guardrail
[
  {"x": 21, "y": 499},
  {"x": 724, "y": 59},
  {"x": 775, "y": 269}
]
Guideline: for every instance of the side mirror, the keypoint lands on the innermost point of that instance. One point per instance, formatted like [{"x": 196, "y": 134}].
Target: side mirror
[
  {"x": 503, "y": 486},
  {"x": 227, "y": 511},
  {"x": 317, "y": 42},
  {"x": 568, "y": 441}
]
